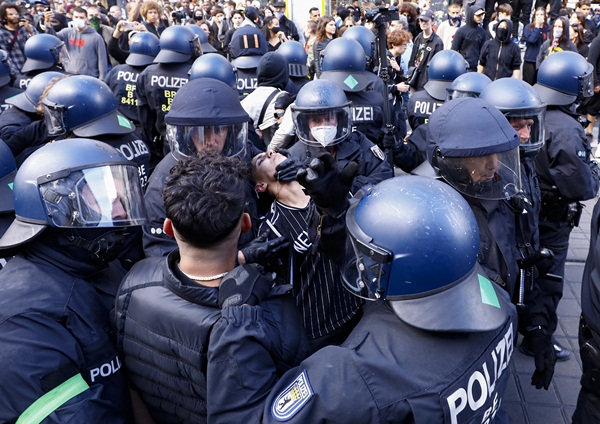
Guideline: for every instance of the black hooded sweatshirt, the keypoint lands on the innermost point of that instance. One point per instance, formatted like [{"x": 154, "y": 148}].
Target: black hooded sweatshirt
[
  {"x": 500, "y": 56},
  {"x": 469, "y": 39}
]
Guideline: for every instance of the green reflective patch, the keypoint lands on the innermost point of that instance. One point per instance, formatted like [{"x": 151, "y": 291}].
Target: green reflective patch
[
  {"x": 10, "y": 185},
  {"x": 488, "y": 294},
  {"x": 124, "y": 122},
  {"x": 351, "y": 82}
]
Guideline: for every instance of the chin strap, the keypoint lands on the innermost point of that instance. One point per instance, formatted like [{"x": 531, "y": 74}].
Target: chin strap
[{"x": 102, "y": 247}]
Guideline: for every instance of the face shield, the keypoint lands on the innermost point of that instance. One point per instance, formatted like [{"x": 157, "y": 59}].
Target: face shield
[
  {"x": 530, "y": 126},
  {"x": 452, "y": 93},
  {"x": 366, "y": 267},
  {"x": 196, "y": 47},
  {"x": 105, "y": 196},
  {"x": 494, "y": 177},
  {"x": 586, "y": 84},
  {"x": 225, "y": 140},
  {"x": 60, "y": 54},
  {"x": 54, "y": 118},
  {"x": 322, "y": 127}
]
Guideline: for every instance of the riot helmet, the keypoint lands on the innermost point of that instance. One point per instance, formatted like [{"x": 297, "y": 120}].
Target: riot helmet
[
  {"x": 205, "y": 46},
  {"x": 143, "y": 48},
  {"x": 178, "y": 44},
  {"x": 28, "y": 100},
  {"x": 214, "y": 66},
  {"x": 206, "y": 116},
  {"x": 475, "y": 149},
  {"x": 413, "y": 241},
  {"x": 296, "y": 56},
  {"x": 85, "y": 106},
  {"x": 321, "y": 114},
  {"x": 524, "y": 109},
  {"x": 78, "y": 184},
  {"x": 469, "y": 84},
  {"x": 442, "y": 69},
  {"x": 564, "y": 78},
  {"x": 42, "y": 52},
  {"x": 247, "y": 46},
  {"x": 366, "y": 38},
  {"x": 343, "y": 62},
  {"x": 5, "y": 72}
]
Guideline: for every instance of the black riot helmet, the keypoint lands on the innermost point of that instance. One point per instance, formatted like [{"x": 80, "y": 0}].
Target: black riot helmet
[
  {"x": 475, "y": 149},
  {"x": 524, "y": 109},
  {"x": 206, "y": 116}
]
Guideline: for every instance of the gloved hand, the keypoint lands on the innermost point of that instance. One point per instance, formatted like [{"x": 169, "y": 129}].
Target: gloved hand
[
  {"x": 544, "y": 356},
  {"x": 261, "y": 250},
  {"x": 326, "y": 185},
  {"x": 244, "y": 285},
  {"x": 287, "y": 170}
]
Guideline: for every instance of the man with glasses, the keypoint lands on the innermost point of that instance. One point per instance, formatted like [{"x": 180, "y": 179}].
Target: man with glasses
[
  {"x": 14, "y": 32},
  {"x": 469, "y": 39}
]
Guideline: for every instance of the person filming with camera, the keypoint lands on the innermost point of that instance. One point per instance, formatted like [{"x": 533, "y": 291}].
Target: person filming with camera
[{"x": 14, "y": 32}]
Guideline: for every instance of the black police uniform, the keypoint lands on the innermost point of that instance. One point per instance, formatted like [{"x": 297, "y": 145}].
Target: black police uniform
[
  {"x": 54, "y": 326},
  {"x": 22, "y": 80},
  {"x": 420, "y": 107},
  {"x": 588, "y": 403},
  {"x": 246, "y": 81},
  {"x": 156, "y": 87},
  {"x": 377, "y": 375},
  {"x": 5, "y": 93},
  {"x": 567, "y": 176},
  {"x": 367, "y": 113},
  {"x": 122, "y": 80},
  {"x": 13, "y": 119}
]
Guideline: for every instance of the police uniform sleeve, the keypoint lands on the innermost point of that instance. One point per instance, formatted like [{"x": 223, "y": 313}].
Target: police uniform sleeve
[
  {"x": 375, "y": 168},
  {"x": 146, "y": 115},
  {"x": 573, "y": 173},
  {"x": 250, "y": 346},
  {"x": 44, "y": 356}
]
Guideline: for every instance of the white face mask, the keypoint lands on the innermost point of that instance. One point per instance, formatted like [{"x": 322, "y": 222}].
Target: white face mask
[
  {"x": 324, "y": 134},
  {"x": 557, "y": 32},
  {"x": 79, "y": 23}
]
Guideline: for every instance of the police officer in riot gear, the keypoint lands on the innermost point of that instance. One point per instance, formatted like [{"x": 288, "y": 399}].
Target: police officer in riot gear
[
  {"x": 366, "y": 38},
  {"x": 322, "y": 116},
  {"x": 84, "y": 106},
  {"x": 122, "y": 79},
  {"x": 43, "y": 53},
  {"x": 467, "y": 85},
  {"x": 23, "y": 111},
  {"x": 247, "y": 46},
  {"x": 74, "y": 201},
  {"x": 468, "y": 318},
  {"x": 206, "y": 116},
  {"x": 442, "y": 70},
  {"x": 214, "y": 66},
  {"x": 158, "y": 84},
  {"x": 343, "y": 62},
  {"x": 566, "y": 171},
  {"x": 484, "y": 167}
]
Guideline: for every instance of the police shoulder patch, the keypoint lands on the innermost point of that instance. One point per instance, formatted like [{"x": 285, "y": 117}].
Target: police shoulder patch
[
  {"x": 293, "y": 398},
  {"x": 378, "y": 153}
]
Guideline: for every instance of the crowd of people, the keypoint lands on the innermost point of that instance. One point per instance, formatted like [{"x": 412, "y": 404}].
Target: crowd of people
[{"x": 210, "y": 214}]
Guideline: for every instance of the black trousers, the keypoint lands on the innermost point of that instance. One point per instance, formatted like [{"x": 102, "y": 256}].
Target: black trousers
[{"x": 588, "y": 402}]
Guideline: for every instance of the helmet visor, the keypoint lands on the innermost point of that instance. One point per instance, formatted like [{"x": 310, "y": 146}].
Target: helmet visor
[
  {"x": 365, "y": 269},
  {"x": 457, "y": 94},
  {"x": 54, "y": 120},
  {"x": 494, "y": 177},
  {"x": 586, "y": 82},
  {"x": 530, "y": 126},
  {"x": 105, "y": 196},
  {"x": 226, "y": 140},
  {"x": 322, "y": 127}
]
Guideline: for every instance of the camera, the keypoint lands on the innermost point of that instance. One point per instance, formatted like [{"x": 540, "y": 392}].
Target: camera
[
  {"x": 178, "y": 16},
  {"x": 382, "y": 15}
]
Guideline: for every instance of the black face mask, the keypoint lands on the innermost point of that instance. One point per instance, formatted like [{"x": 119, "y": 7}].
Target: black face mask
[
  {"x": 276, "y": 29},
  {"x": 501, "y": 34},
  {"x": 454, "y": 19}
]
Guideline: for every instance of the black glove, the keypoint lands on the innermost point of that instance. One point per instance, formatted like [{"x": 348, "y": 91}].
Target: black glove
[
  {"x": 244, "y": 285},
  {"x": 287, "y": 170},
  {"x": 326, "y": 185},
  {"x": 261, "y": 250},
  {"x": 545, "y": 358}
]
